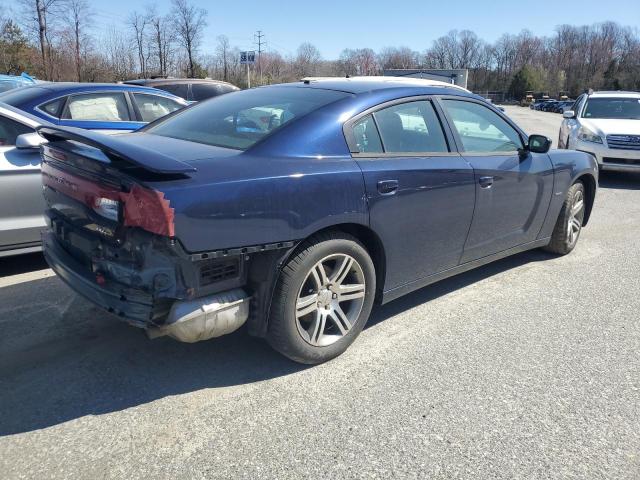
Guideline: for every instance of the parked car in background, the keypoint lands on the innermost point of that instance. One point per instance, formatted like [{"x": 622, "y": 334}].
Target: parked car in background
[
  {"x": 9, "y": 82},
  {"x": 606, "y": 125},
  {"x": 21, "y": 202},
  {"x": 293, "y": 207},
  {"x": 549, "y": 106},
  {"x": 191, "y": 89},
  {"x": 563, "y": 105},
  {"x": 540, "y": 103},
  {"x": 111, "y": 108}
]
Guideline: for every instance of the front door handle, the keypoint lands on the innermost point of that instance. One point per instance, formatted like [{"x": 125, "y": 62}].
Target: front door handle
[
  {"x": 387, "y": 187},
  {"x": 486, "y": 182}
]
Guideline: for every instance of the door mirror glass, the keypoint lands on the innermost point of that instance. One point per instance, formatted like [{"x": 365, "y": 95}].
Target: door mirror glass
[
  {"x": 29, "y": 140},
  {"x": 539, "y": 144},
  {"x": 569, "y": 114}
]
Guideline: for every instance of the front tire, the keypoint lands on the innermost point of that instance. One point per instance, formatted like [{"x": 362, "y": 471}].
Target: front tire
[
  {"x": 569, "y": 224},
  {"x": 323, "y": 299}
]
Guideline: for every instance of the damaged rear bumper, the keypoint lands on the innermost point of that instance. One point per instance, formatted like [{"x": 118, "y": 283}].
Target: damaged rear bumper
[
  {"x": 185, "y": 320},
  {"x": 136, "y": 306}
]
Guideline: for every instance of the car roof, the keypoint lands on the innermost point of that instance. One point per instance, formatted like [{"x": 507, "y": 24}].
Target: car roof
[
  {"x": 357, "y": 85},
  {"x": 167, "y": 81},
  {"x": 73, "y": 86}
]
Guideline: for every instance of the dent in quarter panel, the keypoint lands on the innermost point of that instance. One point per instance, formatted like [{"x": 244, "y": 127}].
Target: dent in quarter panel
[{"x": 289, "y": 199}]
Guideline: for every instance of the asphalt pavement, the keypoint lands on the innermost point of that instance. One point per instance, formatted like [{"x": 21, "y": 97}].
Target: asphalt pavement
[{"x": 528, "y": 368}]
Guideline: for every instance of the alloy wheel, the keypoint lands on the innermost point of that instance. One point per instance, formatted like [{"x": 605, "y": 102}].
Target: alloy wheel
[
  {"x": 576, "y": 217},
  {"x": 330, "y": 300}
]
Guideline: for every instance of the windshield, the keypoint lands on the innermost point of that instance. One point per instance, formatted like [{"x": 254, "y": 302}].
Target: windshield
[
  {"x": 614, "y": 108},
  {"x": 240, "y": 119}
]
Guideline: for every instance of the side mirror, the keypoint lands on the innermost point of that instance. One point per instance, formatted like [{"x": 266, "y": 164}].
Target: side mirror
[
  {"x": 569, "y": 114},
  {"x": 539, "y": 144},
  {"x": 29, "y": 140}
]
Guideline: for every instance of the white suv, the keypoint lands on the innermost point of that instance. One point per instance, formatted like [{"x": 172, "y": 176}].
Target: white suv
[{"x": 607, "y": 125}]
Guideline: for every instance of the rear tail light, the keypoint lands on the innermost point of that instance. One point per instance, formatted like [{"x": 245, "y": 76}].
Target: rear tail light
[{"x": 140, "y": 207}]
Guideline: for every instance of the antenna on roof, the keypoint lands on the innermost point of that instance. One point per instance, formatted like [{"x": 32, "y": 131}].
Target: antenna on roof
[{"x": 347, "y": 76}]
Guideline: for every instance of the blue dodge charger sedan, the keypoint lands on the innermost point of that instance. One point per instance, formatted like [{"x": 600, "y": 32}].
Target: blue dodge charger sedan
[
  {"x": 106, "y": 107},
  {"x": 293, "y": 208}
]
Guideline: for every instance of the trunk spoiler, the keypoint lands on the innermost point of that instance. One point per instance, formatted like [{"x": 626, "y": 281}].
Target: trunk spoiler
[{"x": 112, "y": 146}]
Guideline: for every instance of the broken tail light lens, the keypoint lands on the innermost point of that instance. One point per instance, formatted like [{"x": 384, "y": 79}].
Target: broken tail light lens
[{"x": 107, "y": 208}]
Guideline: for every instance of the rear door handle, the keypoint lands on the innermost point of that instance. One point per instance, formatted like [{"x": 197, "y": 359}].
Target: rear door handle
[
  {"x": 486, "y": 182},
  {"x": 387, "y": 187}
]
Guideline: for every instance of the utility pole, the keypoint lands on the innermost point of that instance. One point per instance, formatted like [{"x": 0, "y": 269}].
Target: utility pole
[{"x": 261, "y": 43}]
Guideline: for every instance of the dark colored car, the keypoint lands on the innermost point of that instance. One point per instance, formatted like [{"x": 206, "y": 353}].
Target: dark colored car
[
  {"x": 539, "y": 105},
  {"x": 107, "y": 107},
  {"x": 560, "y": 107},
  {"x": 549, "y": 106},
  {"x": 191, "y": 89},
  {"x": 295, "y": 207}
]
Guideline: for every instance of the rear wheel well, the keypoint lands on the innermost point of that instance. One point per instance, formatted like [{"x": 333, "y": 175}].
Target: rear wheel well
[
  {"x": 371, "y": 242},
  {"x": 265, "y": 268},
  {"x": 589, "y": 183}
]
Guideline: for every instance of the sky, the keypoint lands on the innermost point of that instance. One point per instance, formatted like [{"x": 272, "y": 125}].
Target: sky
[{"x": 334, "y": 25}]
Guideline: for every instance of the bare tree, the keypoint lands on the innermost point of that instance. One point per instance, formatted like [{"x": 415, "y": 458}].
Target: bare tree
[
  {"x": 189, "y": 22},
  {"x": 39, "y": 15},
  {"x": 138, "y": 23},
  {"x": 79, "y": 17},
  {"x": 222, "y": 51},
  {"x": 307, "y": 59}
]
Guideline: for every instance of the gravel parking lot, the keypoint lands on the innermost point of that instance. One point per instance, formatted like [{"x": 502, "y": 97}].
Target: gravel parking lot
[{"x": 526, "y": 368}]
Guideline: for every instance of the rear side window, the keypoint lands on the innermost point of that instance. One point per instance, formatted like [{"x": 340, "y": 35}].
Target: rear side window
[
  {"x": 480, "y": 129},
  {"x": 178, "y": 89},
  {"x": 410, "y": 127},
  {"x": 152, "y": 107},
  {"x": 9, "y": 131},
  {"x": 53, "y": 108},
  {"x": 240, "y": 120},
  {"x": 202, "y": 91},
  {"x": 98, "y": 107},
  {"x": 366, "y": 136}
]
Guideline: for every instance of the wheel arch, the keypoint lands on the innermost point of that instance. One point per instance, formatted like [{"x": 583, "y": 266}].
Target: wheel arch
[
  {"x": 265, "y": 269},
  {"x": 590, "y": 187}
]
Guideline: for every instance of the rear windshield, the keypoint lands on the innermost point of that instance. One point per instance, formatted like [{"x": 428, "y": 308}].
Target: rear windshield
[
  {"x": 20, "y": 96},
  {"x": 240, "y": 119},
  {"x": 618, "y": 108}
]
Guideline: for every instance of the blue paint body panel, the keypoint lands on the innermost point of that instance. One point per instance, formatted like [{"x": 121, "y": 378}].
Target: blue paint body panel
[{"x": 304, "y": 178}]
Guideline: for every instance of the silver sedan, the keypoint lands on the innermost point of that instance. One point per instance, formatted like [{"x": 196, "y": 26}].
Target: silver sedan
[{"x": 21, "y": 201}]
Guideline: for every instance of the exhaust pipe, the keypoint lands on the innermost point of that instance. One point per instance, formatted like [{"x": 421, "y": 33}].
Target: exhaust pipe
[{"x": 204, "y": 318}]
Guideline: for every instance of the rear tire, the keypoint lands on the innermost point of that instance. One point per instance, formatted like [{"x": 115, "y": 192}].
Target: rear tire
[
  {"x": 569, "y": 224},
  {"x": 323, "y": 299}
]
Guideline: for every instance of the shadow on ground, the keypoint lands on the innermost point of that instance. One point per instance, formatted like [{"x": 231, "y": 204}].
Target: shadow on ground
[{"x": 64, "y": 359}]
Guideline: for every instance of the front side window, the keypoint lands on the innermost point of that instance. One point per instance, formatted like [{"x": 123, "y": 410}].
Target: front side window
[
  {"x": 152, "y": 107},
  {"x": 9, "y": 131},
  {"x": 613, "y": 108},
  {"x": 97, "y": 107},
  {"x": 480, "y": 129},
  {"x": 410, "y": 127},
  {"x": 240, "y": 120}
]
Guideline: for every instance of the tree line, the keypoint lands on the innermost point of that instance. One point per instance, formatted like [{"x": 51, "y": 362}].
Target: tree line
[{"x": 56, "y": 40}]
